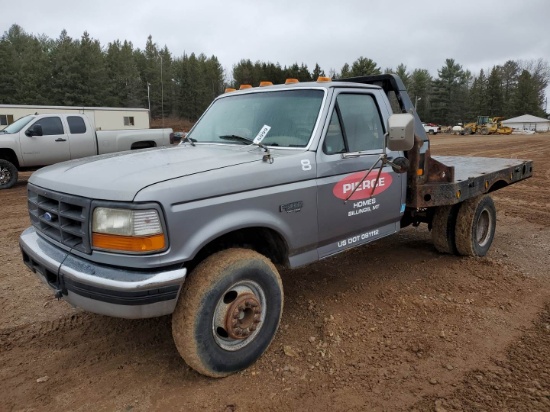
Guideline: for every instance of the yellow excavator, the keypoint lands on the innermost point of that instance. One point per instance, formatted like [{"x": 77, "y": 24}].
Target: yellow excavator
[{"x": 487, "y": 125}]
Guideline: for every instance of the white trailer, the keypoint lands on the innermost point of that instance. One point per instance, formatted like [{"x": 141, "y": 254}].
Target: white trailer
[{"x": 102, "y": 118}]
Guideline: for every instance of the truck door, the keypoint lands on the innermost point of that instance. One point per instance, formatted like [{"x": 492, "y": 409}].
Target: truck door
[
  {"x": 52, "y": 147},
  {"x": 81, "y": 138},
  {"x": 354, "y": 208}
]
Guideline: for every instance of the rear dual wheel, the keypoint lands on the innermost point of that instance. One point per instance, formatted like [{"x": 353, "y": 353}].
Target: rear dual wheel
[
  {"x": 228, "y": 312},
  {"x": 443, "y": 228},
  {"x": 466, "y": 229},
  {"x": 475, "y": 226}
]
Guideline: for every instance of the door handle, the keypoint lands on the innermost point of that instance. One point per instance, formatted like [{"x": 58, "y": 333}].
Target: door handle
[{"x": 60, "y": 140}]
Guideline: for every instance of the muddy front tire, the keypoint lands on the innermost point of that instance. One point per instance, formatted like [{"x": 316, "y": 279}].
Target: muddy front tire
[
  {"x": 8, "y": 174},
  {"x": 475, "y": 226},
  {"x": 228, "y": 312}
]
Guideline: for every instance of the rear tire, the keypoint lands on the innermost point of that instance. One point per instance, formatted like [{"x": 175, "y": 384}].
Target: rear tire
[
  {"x": 228, "y": 312},
  {"x": 475, "y": 226},
  {"x": 8, "y": 174},
  {"x": 443, "y": 229}
]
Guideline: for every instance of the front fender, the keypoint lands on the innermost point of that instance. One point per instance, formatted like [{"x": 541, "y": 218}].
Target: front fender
[{"x": 195, "y": 224}]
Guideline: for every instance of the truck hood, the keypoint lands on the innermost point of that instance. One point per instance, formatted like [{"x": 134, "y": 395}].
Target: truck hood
[{"x": 120, "y": 176}]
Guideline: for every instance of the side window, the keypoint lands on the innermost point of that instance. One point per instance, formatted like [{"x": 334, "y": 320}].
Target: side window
[
  {"x": 357, "y": 118},
  {"x": 334, "y": 141},
  {"x": 129, "y": 121},
  {"x": 51, "y": 126},
  {"x": 76, "y": 124},
  {"x": 6, "y": 119}
]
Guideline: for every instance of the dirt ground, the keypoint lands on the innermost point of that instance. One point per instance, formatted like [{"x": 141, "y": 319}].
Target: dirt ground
[{"x": 391, "y": 326}]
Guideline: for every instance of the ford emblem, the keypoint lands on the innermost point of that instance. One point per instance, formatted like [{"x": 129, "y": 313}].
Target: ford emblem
[{"x": 48, "y": 217}]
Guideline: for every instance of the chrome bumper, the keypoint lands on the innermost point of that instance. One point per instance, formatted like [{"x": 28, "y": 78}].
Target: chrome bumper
[{"x": 101, "y": 289}]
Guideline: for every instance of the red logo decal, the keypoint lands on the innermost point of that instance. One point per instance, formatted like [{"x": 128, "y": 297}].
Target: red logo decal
[{"x": 345, "y": 187}]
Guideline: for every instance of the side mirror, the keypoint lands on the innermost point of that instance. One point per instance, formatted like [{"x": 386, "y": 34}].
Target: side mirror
[
  {"x": 400, "y": 132},
  {"x": 34, "y": 130}
]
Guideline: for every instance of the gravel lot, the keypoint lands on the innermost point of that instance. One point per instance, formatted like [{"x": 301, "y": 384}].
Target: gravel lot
[{"x": 391, "y": 326}]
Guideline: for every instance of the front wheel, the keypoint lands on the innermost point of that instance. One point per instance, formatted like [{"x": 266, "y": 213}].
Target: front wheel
[
  {"x": 8, "y": 174},
  {"x": 228, "y": 312},
  {"x": 475, "y": 226}
]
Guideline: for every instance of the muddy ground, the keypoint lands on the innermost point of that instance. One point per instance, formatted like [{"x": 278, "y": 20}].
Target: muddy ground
[{"x": 392, "y": 326}]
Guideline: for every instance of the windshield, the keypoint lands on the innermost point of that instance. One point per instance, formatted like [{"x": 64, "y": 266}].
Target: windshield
[
  {"x": 290, "y": 115},
  {"x": 17, "y": 125}
]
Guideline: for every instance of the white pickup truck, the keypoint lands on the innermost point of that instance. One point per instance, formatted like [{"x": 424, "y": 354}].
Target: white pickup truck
[
  {"x": 39, "y": 140},
  {"x": 431, "y": 128}
]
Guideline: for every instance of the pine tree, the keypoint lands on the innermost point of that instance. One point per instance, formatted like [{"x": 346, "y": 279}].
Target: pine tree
[
  {"x": 420, "y": 85},
  {"x": 92, "y": 86},
  {"x": 525, "y": 98},
  {"x": 345, "y": 72},
  {"x": 317, "y": 72},
  {"x": 450, "y": 93},
  {"x": 65, "y": 71},
  {"x": 495, "y": 100},
  {"x": 364, "y": 67}
]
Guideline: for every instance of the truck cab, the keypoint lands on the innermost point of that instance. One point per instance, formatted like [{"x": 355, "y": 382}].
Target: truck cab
[{"x": 46, "y": 139}]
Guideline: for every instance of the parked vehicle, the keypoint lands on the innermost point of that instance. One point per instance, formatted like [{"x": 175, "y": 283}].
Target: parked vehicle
[
  {"x": 431, "y": 128},
  {"x": 277, "y": 175},
  {"x": 39, "y": 140}
]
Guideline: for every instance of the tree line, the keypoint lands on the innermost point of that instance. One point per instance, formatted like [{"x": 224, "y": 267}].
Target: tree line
[{"x": 38, "y": 70}]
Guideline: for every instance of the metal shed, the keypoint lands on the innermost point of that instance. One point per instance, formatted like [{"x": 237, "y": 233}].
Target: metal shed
[{"x": 528, "y": 122}]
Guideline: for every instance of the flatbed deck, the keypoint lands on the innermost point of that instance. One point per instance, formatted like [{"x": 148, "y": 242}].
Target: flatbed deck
[{"x": 470, "y": 177}]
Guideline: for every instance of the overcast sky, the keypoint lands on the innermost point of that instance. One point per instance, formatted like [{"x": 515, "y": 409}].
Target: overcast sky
[{"x": 421, "y": 34}]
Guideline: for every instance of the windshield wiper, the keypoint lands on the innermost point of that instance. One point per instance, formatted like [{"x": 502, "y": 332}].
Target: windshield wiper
[
  {"x": 189, "y": 139},
  {"x": 236, "y": 138},
  {"x": 267, "y": 157}
]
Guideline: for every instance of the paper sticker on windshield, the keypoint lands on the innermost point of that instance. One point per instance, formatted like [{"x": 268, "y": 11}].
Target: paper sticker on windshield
[
  {"x": 262, "y": 134},
  {"x": 364, "y": 188}
]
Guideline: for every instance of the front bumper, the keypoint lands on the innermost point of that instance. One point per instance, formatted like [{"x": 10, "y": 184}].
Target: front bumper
[{"x": 101, "y": 289}]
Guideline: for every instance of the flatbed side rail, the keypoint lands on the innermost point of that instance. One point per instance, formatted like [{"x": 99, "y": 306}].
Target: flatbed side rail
[{"x": 468, "y": 182}]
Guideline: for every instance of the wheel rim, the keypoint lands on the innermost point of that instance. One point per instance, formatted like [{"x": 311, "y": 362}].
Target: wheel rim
[
  {"x": 239, "y": 315},
  {"x": 5, "y": 175},
  {"x": 483, "y": 228}
]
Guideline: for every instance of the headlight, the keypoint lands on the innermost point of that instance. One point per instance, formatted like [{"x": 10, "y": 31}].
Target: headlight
[{"x": 127, "y": 230}]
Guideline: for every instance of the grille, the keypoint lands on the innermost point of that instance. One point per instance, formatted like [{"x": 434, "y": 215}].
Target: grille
[{"x": 60, "y": 217}]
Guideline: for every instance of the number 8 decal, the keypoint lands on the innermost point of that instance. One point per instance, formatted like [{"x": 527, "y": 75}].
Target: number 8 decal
[{"x": 306, "y": 164}]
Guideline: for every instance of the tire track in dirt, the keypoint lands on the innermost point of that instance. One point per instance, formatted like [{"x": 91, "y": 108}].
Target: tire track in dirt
[{"x": 517, "y": 383}]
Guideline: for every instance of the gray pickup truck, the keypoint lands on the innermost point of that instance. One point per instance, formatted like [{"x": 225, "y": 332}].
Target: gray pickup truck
[
  {"x": 280, "y": 175},
  {"x": 44, "y": 139}
]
